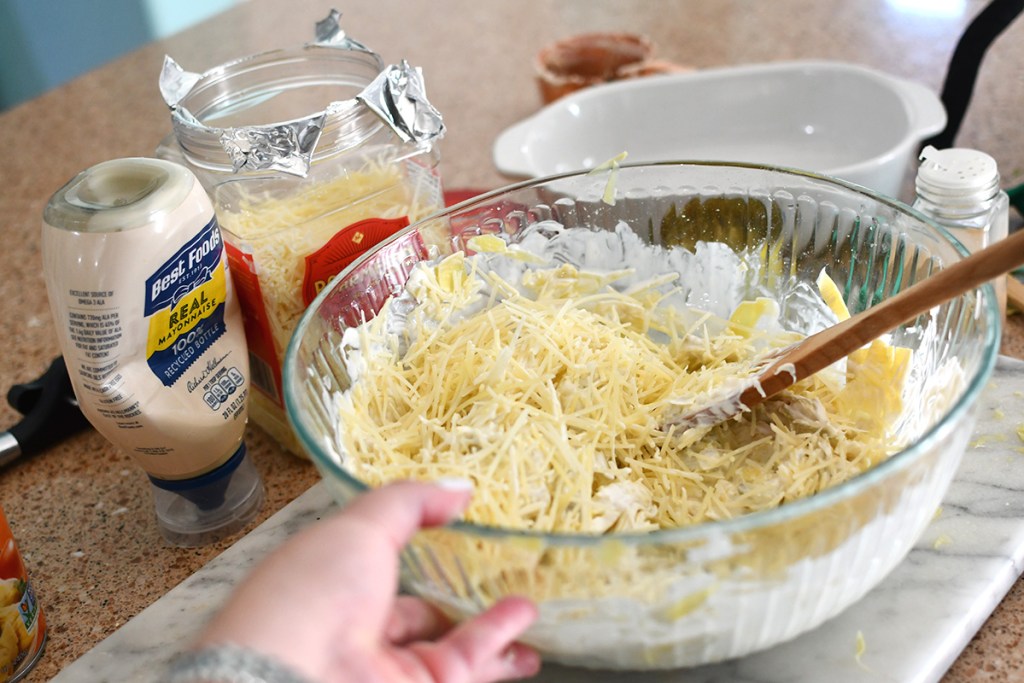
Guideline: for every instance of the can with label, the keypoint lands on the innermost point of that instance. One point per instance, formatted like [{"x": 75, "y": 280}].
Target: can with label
[{"x": 22, "y": 626}]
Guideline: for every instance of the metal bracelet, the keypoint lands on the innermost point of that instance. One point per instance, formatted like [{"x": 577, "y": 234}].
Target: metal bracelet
[{"x": 230, "y": 664}]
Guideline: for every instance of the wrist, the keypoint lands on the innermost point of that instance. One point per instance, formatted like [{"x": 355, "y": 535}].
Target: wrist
[{"x": 230, "y": 664}]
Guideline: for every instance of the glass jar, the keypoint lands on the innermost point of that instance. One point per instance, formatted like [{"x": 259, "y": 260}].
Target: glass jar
[
  {"x": 958, "y": 188},
  {"x": 305, "y": 175}
]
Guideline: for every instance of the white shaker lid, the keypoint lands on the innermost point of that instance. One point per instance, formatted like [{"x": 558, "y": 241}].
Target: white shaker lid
[{"x": 957, "y": 173}]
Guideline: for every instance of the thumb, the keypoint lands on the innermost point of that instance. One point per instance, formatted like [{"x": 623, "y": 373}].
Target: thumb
[{"x": 399, "y": 509}]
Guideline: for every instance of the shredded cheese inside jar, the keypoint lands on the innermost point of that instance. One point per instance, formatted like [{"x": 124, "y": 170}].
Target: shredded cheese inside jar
[
  {"x": 280, "y": 232},
  {"x": 280, "y": 225},
  {"x": 548, "y": 390}
]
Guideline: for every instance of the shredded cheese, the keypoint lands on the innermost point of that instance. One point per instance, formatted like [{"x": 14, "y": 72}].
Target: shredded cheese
[
  {"x": 549, "y": 396},
  {"x": 612, "y": 166},
  {"x": 987, "y": 439},
  {"x": 280, "y": 227},
  {"x": 860, "y": 649},
  {"x": 281, "y": 230}
]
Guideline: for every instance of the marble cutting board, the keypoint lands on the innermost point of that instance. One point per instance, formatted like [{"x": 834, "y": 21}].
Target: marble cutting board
[{"x": 913, "y": 624}]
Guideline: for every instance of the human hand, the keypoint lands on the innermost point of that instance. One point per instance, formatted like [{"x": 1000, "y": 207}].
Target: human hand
[{"x": 325, "y": 603}]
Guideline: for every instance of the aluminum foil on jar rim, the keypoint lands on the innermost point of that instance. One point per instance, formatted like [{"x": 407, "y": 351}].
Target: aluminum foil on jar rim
[
  {"x": 397, "y": 96},
  {"x": 329, "y": 33}
]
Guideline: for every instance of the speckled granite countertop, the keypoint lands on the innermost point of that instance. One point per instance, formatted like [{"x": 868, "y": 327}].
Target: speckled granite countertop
[{"x": 82, "y": 511}]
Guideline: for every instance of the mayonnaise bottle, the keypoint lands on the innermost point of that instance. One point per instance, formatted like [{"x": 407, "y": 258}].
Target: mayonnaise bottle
[{"x": 152, "y": 337}]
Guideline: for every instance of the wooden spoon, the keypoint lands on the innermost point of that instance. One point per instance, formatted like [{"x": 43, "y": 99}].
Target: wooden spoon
[{"x": 801, "y": 360}]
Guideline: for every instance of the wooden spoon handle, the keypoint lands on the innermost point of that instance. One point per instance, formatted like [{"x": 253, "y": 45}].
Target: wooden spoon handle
[{"x": 826, "y": 347}]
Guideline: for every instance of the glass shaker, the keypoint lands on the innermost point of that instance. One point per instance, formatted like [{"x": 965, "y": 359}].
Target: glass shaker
[{"x": 958, "y": 188}]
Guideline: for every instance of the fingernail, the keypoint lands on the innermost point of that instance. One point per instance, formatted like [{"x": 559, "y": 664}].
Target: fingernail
[
  {"x": 454, "y": 484},
  {"x": 521, "y": 660}
]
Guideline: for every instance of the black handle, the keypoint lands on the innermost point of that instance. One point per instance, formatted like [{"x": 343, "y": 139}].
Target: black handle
[
  {"x": 966, "y": 62},
  {"x": 50, "y": 408}
]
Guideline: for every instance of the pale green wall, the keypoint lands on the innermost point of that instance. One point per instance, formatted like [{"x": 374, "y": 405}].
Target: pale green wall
[
  {"x": 44, "y": 43},
  {"x": 170, "y": 16}
]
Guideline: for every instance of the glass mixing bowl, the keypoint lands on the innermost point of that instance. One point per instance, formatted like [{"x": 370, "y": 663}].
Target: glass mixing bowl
[{"x": 717, "y": 590}]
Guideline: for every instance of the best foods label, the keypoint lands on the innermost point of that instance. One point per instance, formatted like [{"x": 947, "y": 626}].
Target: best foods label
[{"x": 185, "y": 305}]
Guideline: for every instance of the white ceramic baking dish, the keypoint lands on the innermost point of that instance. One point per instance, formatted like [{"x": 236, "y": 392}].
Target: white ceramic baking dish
[{"x": 833, "y": 118}]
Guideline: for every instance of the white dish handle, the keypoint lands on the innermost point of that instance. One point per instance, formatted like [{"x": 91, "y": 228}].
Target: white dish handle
[{"x": 927, "y": 115}]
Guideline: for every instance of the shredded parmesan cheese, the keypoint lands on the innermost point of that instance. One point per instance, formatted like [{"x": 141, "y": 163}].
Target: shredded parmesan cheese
[
  {"x": 860, "y": 649},
  {"x": 548, "y": 394},
  {"x": 280, "y": 231},
  {"x": 612, "y": 166}
]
